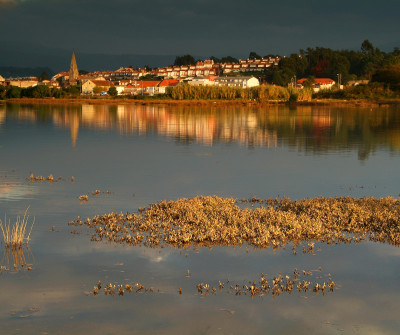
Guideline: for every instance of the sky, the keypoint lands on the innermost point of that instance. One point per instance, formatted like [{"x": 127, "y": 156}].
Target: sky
[{"x": 198, "y": 27}]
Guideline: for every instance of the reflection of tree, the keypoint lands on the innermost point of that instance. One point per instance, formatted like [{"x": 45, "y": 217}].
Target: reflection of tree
[
  {"x": 16, "y": 259},
  {"x": 312, "y": 129},
  {"x": 321, "y": 130}
]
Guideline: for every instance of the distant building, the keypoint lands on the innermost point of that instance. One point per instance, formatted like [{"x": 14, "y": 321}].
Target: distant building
[
  {"x": 202, "y": 81},
  {"x": 73, "y": 70},
  {"x": 2, "y": 80},
  {"x": 49, "y": 83},
  {"x": 242, "y": 82},
  {"x": 22, "y": 82}
]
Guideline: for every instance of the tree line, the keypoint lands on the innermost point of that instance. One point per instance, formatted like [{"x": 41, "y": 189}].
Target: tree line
[
  {"x": 319, "y": 62},
  {"x": 368, "y": 63}
]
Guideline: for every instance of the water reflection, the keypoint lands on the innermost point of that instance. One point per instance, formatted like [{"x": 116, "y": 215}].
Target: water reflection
[
  {"x": 2, "y": 114},
  {"x": 13, "y": 191},
  {"x": 16, "y": 259},
  {"x": 307, "y": 129}
]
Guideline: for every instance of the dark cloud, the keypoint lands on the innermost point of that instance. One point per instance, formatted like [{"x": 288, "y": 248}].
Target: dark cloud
[{"x": 199, "y": 27}]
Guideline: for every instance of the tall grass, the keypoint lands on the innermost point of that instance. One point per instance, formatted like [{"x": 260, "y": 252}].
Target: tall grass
[
  {"x": 14, "y": 234},
  {"x": 262, "y": 93}
]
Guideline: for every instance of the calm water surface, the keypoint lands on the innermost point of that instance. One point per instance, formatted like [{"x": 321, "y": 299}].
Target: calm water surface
[{"x": 144, "y": 154}]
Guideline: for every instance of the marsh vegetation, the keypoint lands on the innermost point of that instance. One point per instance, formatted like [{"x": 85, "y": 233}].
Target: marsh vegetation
[{"x": 212, "y": 220}]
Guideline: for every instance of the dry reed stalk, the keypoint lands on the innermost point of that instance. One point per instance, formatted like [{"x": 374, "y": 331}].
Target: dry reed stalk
[{"x": 14, "y": 235}]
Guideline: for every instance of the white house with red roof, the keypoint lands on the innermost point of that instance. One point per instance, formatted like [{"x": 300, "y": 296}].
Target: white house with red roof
[
  {"x": 162, "y": 87},
  {"x": 319, "y": 83}
]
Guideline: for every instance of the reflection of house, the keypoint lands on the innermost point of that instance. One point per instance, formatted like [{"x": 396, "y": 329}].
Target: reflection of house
[
  {"x": 243, "y": 82},
  {"x": 319, "y": 83},
  {"x": 90, "y": 86},
  {"x": 2, "y": 114}
]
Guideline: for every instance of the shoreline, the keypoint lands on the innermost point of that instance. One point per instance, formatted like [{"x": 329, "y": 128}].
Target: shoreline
[{"x": 108, "y": 101}]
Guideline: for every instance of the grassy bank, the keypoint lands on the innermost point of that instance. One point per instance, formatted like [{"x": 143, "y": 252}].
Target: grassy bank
[{"x": 363, "y": 95}]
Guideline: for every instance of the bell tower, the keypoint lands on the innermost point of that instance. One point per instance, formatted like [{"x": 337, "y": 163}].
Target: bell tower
[{"x": 73, "y": 70}]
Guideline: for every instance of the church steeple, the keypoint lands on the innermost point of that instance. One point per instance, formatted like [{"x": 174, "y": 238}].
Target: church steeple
[{"x": 73, "y": 69}]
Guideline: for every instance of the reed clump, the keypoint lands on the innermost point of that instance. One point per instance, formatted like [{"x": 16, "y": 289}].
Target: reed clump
[
  {"x": 15, "y": 235},
  {"x": 262, "y": 93},
  {"x": 212, "y": 220}
]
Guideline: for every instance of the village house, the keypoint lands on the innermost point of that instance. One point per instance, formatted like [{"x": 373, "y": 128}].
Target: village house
[
  {"x": 22, "y": 82},
  {"x": 49, "y": 83},
  {"x": 202, "y": 68},
  {"x": 242, "y": 82},
  {"x": 2, "y": 80},
  {"x": 319, "y": 83},
  {"x": 143, "y": 87},
  {"x": 92, "y": 76},
  {"x": 149, "y": 87},
  {"x": 162, "y": 87},
  {"x": 126, "y": 73},
  {"x": 250, "y": 65},
  {"x": 61, "y": 77},
  {"x": 202, "y": 81},
  {"x": 91, "y": 86}
]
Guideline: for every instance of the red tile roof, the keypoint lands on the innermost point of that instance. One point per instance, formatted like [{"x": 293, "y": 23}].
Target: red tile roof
[
  {"x": 318, "y": 81},
  {"x": 169, "y": 82},
  {"x": 146, "y": 83}
]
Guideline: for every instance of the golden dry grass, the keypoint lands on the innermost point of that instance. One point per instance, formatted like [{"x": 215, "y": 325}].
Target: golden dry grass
[
  {"x": 14, "y": 235},
  {"x": 212, "y": 220}
]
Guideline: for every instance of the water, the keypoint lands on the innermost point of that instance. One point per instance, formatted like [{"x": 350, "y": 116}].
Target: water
[{"x": 137, "y": 155}]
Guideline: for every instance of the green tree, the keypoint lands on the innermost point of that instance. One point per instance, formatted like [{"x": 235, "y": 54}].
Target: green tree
[
  {"x": 41, "y": 91},
  {"x": 309, "y": 82},
  {"x": 184, "y": 60},
  {"x": 296, "y": 64},
  {"x": 388, "y": 75},
  {"x": 254, "y": 55},
  {"x": 44, "y": 76},
  {"x": 367, "y": 47},
  {"x": 14, "y": 92},
  {"x": 215, "y": 59},
  {"x": 112, "y": 91},
  {"x": 3, "y": 92},
  {"x": 57, "y": 93},
  {"x": 229, "y": 59}
]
